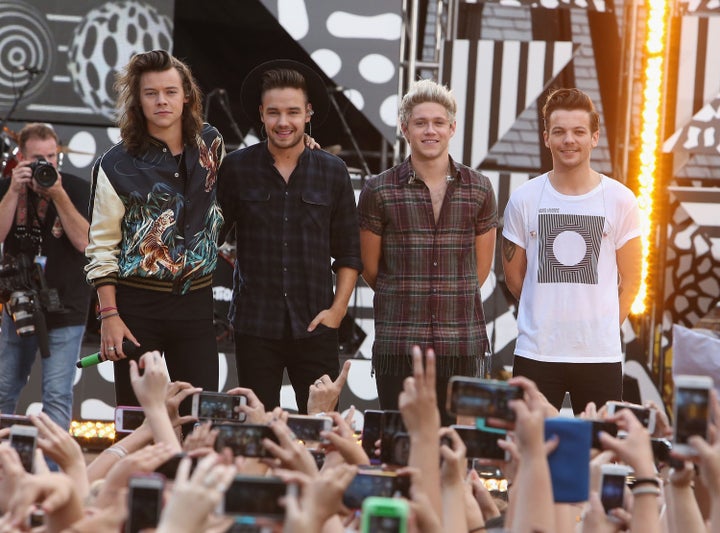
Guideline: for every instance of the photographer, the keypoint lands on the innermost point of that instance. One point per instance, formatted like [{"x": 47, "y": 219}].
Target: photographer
[{"x": 42, "y": 223}]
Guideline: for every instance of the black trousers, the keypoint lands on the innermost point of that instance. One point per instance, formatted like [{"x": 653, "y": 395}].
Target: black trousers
[
  {"x": 190, "y": 351},
  {"x": 586, "y": 382},
  {"x": 260, "y": 364},
  {"x": 391, "y": 385}
]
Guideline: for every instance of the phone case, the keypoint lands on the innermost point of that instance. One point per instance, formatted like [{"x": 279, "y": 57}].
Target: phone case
[{"x": 570, "y": 461}]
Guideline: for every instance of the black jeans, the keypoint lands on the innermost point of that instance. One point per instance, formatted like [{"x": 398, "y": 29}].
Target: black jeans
[
  {"x": 586, "y": 382},
  {"x": 260, "y": 364},
  {"x": 391, "y": 385},
  {"x": 190, "y": 351}
]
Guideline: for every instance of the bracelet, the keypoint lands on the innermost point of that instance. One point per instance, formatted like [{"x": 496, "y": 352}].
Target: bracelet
[
  {"x": 101, "y": 317},
  {"x": 646, "y": 481},
  {"x": 104, "y": 309},
  {"x": 117, "y": 449},
  {"x": 646, "y": 490}
]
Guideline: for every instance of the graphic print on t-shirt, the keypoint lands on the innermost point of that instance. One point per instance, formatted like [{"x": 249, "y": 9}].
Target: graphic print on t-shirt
[{"x": 568, "y": 248}]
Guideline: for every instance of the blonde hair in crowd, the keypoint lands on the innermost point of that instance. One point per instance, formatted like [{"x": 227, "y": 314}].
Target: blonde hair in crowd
[{"x": 422, "y": 91}]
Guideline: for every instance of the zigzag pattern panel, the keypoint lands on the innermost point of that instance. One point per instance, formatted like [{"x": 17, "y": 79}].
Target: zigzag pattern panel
[
  {"x": 698, "y": 66},
  {"x": 593, "y": 5},
  {"x": 700, "y": 7},
  {"x": 494, "y": 82},
  {"x": 701, "y": 204},
  {"x": 702, "y": 134}
]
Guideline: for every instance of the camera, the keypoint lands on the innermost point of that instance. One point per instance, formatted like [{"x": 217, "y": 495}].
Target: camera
[
  {"x": 43, "y": 172},
  {"x": 24, "y": 291},
  {"x": 483, "y": 398}
]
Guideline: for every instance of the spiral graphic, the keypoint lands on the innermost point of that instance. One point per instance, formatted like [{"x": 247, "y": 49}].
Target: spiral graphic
[{"x": 25, "y": 40}]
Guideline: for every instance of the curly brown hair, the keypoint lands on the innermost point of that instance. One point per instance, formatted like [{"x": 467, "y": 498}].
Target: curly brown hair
[
  {"x": 132, "y": 122},
  {"x": 570, "y": 100}
]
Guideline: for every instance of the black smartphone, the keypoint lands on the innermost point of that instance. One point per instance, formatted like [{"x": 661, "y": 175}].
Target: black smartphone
[
  {"x": 244, "y": 439},
  {"x": 255, "y": 496},
  {"x": 145, "y": 496},
  {"x": 602, "y": 425},
  {"x": 374, "y": 483},
  {"x": 169, "y": 467},
  {"x": 481, "y": 444},
  {"x": 400, "y": 449},
  {"x": 372, "y": 426},
  {"x": 392, "y": 423},
  {"x": 7, "y": 421},
  {"x": 483, "y": 398}
]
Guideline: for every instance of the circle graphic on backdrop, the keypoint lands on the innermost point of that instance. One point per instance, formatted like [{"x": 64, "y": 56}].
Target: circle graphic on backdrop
[
  {"x": 105, "y": 41},
  {"x": 25, "y": 41}
]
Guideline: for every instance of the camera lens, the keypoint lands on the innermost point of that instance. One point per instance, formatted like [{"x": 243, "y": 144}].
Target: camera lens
[
  {"x": 21, "y": 308},
  {"x": 43, "y": 173}
]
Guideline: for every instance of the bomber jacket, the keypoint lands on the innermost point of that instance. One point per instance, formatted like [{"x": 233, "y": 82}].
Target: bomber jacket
[{"x": 153, "y": 226}]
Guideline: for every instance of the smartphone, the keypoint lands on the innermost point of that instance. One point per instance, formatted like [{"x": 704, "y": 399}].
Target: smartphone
[
  {"x": 645, "y": 415},
  {"x": 307, "y": 428},
  {"x": 218, "y": 406},
  {"x": 481, "y": 444},
  {"x": 612, "y": 485},
  {"x": 24, "y": 440},
  {"x": 602, "y": 425},
  {"x": 169, "y": 467},
  {"x": 255, "y": 496},
  {"x": 384, "y": 515},
  {"x": 483, "y": 398},
  {"x": 244, "y": 439},
  {"x": 392, "y": 423},
  {"x": 145, "y": 496},
  {"x": 128, "y": 418},
  {"x": 368, "y": 483},
  {"x": 692, "y": 410},
  {"x": 400, "y": 453},
  {"x": 372, "y": 426},
  {"x": 7, "y": 421}
]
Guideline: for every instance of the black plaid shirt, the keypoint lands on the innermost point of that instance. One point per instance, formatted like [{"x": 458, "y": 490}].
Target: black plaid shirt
[{"x": 287, "y": 234}]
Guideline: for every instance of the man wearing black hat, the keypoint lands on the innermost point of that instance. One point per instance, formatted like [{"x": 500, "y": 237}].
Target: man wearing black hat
[{"x": 296, "y": 224}]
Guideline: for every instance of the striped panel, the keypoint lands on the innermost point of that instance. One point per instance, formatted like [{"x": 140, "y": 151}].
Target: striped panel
[
  {"x": 593, "y": 5},
  {"x": 700, "y": 7},
  {"x": 494, "y": 82},
  {"x": 698, "y": 66}
]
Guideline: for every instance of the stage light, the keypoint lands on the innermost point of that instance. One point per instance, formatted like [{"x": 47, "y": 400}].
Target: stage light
[
  {"x": 651, "y": 114},
  {"x": 93, "y": 435}
]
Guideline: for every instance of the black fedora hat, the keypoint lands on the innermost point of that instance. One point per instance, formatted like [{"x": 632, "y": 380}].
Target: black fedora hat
[{"x": 316, "y": 89}]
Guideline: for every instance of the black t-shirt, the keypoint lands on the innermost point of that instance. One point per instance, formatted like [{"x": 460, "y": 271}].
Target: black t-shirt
[{"x": 64, "y": 269}]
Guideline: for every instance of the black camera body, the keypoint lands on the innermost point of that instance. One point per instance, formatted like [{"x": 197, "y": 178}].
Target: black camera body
[
  {"x": 43, "y": 172},
  {"x": 24, "y": 292}
]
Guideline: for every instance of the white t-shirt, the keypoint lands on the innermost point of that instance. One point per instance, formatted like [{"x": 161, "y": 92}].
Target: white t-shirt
[{"x": 569, "y": 307}]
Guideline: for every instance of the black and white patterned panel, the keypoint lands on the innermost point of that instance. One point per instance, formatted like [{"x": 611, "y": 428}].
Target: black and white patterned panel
[
  {"x": 78, "y": 47},
  {"x": 701, "y": 134},
  {"x": 700, "y": 7},
  {"x": 357, "y": 44},
  {"x": 595, "y": 5}
]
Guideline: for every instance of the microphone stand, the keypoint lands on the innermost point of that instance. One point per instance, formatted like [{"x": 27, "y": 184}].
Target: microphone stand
[
  {"x": 222, "y": 99},
  {"x": 21, "y": 92},
  {"x": 346, "y": 128}
]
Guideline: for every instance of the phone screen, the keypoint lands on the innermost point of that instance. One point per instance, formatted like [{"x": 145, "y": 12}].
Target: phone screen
[
  {"x": 641, "y": 413},
  {"x": 483, "y": 398},
  {"x": 131, "y": 419},
  {"x": 692, "y": 407},
  {"x": 366, "y": 484},
  {"x": 384, "y": 524},
  {"x": 392, "y": 423},
  {"x": 307, "y": 429},
  {"x": 244, "y": 439},
  {"x": 145, "y": 508},
  {"x": 612, "y": 491},
  {"x": 481, "y": 444},
  {"x": 218, "y": 406},
  {"x": 601, "y": 425},
  {"x": 255, "y": 496},
  {"x": 25, "y": 447},
  {"x": 7, "y": 421},
  {"x": 372, "y": 426}
]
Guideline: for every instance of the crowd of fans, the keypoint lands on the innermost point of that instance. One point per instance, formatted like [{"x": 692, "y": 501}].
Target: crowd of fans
[{"x": 445, "y": 494}]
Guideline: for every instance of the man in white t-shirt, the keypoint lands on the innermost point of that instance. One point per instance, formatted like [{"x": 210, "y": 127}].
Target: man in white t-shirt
[{"x": 572, "y": 256}]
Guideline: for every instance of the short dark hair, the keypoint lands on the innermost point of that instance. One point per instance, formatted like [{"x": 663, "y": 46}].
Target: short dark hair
[
  {"x": 132, "y": 122},
  {"x": 571, "y": 99},
  {"x": 282, "y": 78}
]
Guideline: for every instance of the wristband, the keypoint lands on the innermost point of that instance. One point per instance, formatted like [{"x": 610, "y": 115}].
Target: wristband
[
  {"x": 645, "y": 490},
  {"x": 646, "y": 481},
  {"x": 105, "y": 310},
  {"x": 100, "y": 317}
]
